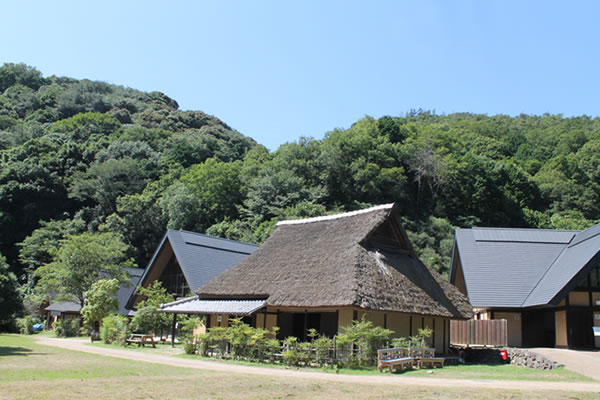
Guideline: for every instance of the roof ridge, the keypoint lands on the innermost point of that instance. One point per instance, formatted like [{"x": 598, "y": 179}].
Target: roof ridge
[
  {"x": 180, "y": 301},
  {"x": 546, "y": 272},
  {"x": 335, "y": 216},
  {"x": 520, "y": 229},
  {"x": 213, "y": 237}
]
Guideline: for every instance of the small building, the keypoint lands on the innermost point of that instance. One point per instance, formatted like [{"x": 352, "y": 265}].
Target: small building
[
  {"x": 72, "y": 309},
  {"x": 545, "y": 283},
  {"x": 325, "y": 272},
  {"x": 184, "y": 261}
]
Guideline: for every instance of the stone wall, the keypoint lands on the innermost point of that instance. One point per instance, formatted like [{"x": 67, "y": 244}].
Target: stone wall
[{"x": 529, "y": 359}]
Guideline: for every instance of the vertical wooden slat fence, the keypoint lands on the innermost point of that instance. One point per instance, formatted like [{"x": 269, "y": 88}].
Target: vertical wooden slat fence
[{"x": 492, "y": 332}]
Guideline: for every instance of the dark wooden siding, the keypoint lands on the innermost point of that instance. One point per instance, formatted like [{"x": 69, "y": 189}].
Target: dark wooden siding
[{"x": 493, "y": 332}]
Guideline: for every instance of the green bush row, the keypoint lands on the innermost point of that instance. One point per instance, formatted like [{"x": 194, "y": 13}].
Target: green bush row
[{"x": 355, "y": 346}]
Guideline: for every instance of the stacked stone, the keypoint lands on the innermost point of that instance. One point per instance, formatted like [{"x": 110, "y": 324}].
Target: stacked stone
[{"x": 529, "y": 359}]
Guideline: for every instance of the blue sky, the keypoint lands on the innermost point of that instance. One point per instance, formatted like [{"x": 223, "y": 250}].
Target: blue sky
[{"x": 278, "y": 70}]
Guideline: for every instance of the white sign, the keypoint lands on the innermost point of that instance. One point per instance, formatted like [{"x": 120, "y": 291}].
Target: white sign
[
  {"x": 55, "y": 313},
  {"x": 596, "y": 330}
]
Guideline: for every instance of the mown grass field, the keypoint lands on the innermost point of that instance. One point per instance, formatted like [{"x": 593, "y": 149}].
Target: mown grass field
[
  {"x": 31, "y": 371},
  {"x": 496, "y": 372}
]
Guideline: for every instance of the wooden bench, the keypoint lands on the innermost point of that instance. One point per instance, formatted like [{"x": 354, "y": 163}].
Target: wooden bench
[
  {"x": 426, "y": 356},
  {"x": 141, "y": 340},
  {"x": 394, "y": 358}
]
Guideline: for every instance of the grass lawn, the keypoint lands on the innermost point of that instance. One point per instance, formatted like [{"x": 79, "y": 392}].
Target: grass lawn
[
  {"x": 502, "y": 372},
  {"x": 31, "y": 371},
  {"x": 496, "y": 372}
]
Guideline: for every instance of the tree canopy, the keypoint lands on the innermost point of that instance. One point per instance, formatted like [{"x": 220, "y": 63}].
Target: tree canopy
[
  {"x": 79, "y": 262},
  {"x": 100, "y": 301},
  {"x": 89, "y": 158}
]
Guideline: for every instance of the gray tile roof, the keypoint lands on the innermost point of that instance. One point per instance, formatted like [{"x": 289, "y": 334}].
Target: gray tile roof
[
  {"x": 522, "y": 267},
  {"x": 193, "y": 305},
  {"x": 201, "y": 257},
  {"x": 126, "y": 290},
  {"x": 123, "y": 295},
  {"x": 568, "y": 269},
  {"x": 64, "y": 306}
]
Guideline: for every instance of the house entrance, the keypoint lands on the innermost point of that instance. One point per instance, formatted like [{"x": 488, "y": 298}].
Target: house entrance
[
  {"x": 298, "y": 324},
  {"x": 539, "y": 328},
  {"x": 579, "y": 322}
]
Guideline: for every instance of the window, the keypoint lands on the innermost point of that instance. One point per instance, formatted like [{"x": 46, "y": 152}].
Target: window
[{"x": 592, "y": 280}]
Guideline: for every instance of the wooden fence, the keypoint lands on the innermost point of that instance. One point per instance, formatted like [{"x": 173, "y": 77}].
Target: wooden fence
[{"x": 492, "y": 333}]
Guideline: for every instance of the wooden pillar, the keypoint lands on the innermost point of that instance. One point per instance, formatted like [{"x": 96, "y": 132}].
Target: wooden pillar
[
  {"x": 173, "y": 330},
  {"x": 567, "y": 307},
  {"x": 305, "y": 325},
  {"x": 444, "y": 335},
  {"x": 433, "y": 334}
]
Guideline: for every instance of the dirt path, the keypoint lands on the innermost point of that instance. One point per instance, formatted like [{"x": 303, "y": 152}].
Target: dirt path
[
  {"x": 81, "y": 345},
  {"x": 583, "y": 362}
]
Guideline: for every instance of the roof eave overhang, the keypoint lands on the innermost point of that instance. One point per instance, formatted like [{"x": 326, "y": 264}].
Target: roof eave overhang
[
  {"x": 572, "y": 284},
  {"x": 260, "y": 304},
  {"x": 142, "y": 280}
]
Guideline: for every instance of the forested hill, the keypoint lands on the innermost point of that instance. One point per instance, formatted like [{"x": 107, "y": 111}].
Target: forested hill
[{"x": 78, "y": 156}]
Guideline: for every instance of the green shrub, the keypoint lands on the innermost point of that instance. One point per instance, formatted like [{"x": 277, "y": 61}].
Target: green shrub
[
  {"x": 25, "y": 324},
  {"x": 114, "y": 329},
  {"x": 360, "y": 342},
  {"x": 292, "y": 357},
  {"x": 215, "y": 340},
  {"x": 67, "y": 327},
  {"x": 323, "y": 346},
  {"x": 401, "y": 342},
  {"x": 190, "y": 341},
  {"x": 421, "y": 339},
  {"x": 190, "y": 347}
]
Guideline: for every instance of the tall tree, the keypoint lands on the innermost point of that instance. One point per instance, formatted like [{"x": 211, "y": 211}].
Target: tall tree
[
  {"x": 10, "y": 301},
  {"x": 80, "y": 261},
  {"x": 101, "y": 301}
]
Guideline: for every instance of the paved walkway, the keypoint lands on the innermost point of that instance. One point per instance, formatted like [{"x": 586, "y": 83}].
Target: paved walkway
[
  {"x": 584, "y": 362},
  {"x": 82, "y": 345}
]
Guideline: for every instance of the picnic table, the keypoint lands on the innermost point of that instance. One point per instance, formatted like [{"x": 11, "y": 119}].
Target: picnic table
[{"x": 141, "y": 340}]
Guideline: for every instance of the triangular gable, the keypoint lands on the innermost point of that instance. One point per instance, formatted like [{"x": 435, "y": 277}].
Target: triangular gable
[
  {"x": 200, "y": 257},
  {"x": 523, "y": 267},
  {"x": 502, "y": 266},
  {"x": 575, "y": 262}
]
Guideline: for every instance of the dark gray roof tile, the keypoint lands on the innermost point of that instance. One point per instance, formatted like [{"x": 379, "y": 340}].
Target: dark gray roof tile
[{"x": 523, "y": 267}]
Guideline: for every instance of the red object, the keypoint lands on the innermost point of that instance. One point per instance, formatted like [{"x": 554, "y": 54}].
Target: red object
[{"x": 504, "y": 355}]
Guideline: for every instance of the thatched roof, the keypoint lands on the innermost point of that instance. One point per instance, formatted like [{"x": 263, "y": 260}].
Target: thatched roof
[{"x": 359, "y": 259}]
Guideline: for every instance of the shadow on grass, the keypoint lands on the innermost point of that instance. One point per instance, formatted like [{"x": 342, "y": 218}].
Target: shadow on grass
[{"x": 17, "y": 351}]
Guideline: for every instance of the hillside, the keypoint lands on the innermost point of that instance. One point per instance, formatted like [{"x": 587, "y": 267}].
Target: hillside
[{"x": 78, "y": 156}]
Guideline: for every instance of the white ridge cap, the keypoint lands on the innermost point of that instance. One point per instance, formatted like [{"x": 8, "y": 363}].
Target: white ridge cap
[{"x": 335, "y": 216}]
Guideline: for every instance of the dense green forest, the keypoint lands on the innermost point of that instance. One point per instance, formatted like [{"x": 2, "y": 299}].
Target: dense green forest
[{"x": 79, "y": 156}]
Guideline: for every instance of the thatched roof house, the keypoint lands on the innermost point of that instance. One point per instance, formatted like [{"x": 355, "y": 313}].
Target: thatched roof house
[
  {"x": 337, "y": 268},
  {"x": 360, "y": 259}
]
